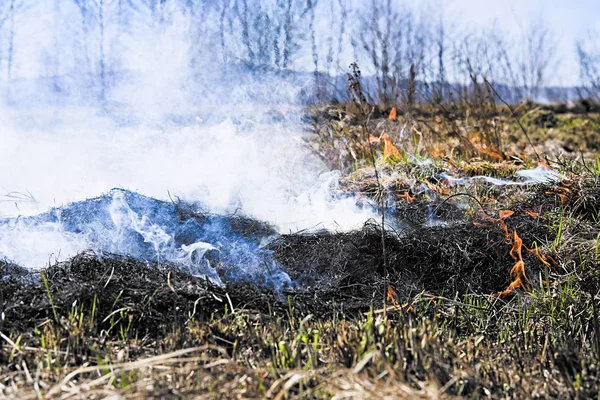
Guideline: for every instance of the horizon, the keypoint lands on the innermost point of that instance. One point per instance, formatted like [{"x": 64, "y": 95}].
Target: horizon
[{"x": 568, "y": 23}]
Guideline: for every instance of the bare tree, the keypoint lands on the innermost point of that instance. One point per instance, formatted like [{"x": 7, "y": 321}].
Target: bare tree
[
  {"x": 536, "y": 57},
  {"x": 11, "y": 39},
  {"x": 84, "y": 12},
  {"x": 102, "y": 52},
  {"x": 8, "y": 9},
  {"x": 268, "y": 31},
  {"x": 588, "y": 52},
  {"x": 93, "y": 19},
  {"x": 394, "y": 40},
  {"x": 482, "y": 55}
]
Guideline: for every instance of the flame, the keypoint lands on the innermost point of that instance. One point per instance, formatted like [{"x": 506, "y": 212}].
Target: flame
[
  {"x": 392, "y": 296},
  {"x": 532, "y": 214},
  {"x": 563, "y": 197},
  {"x": 492, "y": 153},
  {"x": 392, "y": 115},
  {"x": 517, "y": 272},
  {"x": 518, "y": 276},
  {"x": 546, "y": 260},
  {"x": 407, "y": 197},
  {"x": 389, "y": 150},
  {"x": 563, "y": 192},
  {"x": 441, "y": 189},
  {"x": 502, "y": 215},
  {"x": 487, "y": 199},
  {"x": 505, "y": 213},
  {"x": 543, "y": 164}
]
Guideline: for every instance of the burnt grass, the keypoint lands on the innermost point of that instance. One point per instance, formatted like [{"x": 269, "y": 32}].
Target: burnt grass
[
  {"x": 110, "y": 325},
  {"x": 332, "y": 273}
]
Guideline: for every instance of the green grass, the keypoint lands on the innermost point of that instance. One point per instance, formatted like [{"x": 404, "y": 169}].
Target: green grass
[{"x": 543, "y": 343}]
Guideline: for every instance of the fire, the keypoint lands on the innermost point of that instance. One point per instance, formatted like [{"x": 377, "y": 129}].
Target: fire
[
  {"x": 491, "y": 153},
  {"x": 505, "y": 213},
  {"x": 546, "y": 260},
  {"x": 487, "y": 199},
  {"x": 518, "y": 276},
  {"x": 441, "y": 189},
  {"x": 502, "y": 215},
  {"x": 389, "y": 150},
  {"x": 517, "y": 272},
  {"x": 532, "y": 214},
  {"x": 563, "y": 192},
  {"x": 392, "y": 296},
  {"x": 407, "y": 197},
  {"x": 393, "y": 114},
  {"x": 373, "y": 139}
]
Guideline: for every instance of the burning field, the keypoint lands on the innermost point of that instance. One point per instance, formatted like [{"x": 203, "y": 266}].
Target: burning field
[{"x": 429, "y": 267}]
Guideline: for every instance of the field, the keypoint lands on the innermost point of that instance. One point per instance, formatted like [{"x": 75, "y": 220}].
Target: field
[{"x": 483, "y": 281}]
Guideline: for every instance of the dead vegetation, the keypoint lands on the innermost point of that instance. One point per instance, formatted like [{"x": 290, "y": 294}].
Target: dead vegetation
[{"x": 458, "y": 132}]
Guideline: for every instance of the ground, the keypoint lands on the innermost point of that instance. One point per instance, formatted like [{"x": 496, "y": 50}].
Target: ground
[{"x": 475, "y": 288}]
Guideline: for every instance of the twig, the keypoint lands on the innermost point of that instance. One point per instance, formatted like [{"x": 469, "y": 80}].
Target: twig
[
  {"x": 110, "y": 277},
  {"x": 117, "y": 368},
  {"x": 230, "y": 303},
  {"x": 171, "y": 286},
  {"x": 13, "y": 344}
]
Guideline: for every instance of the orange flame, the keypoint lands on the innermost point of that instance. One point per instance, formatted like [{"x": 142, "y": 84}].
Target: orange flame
[
  {"x": 532, "y": 214},
  {"x": 546, "y": 260},
  {"x": 543, "y": 164},
  {"x": 442, "y": 189},
  {"x": 563, "y": 192},
  {"x": 407, "y": 197},
  {"x": 502, "y": 214},
  {"x": 492, "y": 153},
  {"x": 392, "y": 115},
  {"x": 517, "y": 272},
  {"x": 487, "y": 199},
  {"x": 392, "y": 296},
  {"x": 563, "y": 197},
  {"x": 389, "y": 150},
  {"x": 505, "y": 213}
]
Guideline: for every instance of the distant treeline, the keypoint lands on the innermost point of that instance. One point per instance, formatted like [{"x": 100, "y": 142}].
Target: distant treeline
[{"x": 92, "y": 49}]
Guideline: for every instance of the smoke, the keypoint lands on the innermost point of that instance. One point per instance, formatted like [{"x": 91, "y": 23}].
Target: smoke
[
  {"x": 162, "y": 121},
  {"x": 533, "y": 176},
  {"x": 124, "y": 222},
  {"x": 262, "y": 169}
]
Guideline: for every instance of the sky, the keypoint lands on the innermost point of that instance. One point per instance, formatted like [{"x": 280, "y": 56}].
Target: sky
[{"x": 569, "y": 19}]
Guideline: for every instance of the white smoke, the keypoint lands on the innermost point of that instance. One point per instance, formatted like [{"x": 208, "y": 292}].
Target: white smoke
[
  {"x": 532, "y": 176},
  {"x": 258, "y": 170},
  {"x": 37, "y": 245},
  {"x": 163, "y": 129},
  {"x": 261, "y": 169}
]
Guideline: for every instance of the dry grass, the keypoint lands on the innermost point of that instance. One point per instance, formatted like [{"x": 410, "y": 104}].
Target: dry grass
[{"x": 458, "y": 134}]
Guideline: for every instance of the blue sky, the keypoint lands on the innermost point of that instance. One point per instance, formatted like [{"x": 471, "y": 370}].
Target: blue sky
[{"x": 568, "y": 19}]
